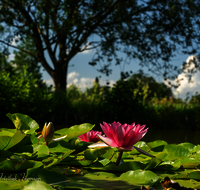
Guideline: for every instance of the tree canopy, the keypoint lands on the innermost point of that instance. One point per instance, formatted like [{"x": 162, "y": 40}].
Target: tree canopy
[{"x": 148, "y": 30}]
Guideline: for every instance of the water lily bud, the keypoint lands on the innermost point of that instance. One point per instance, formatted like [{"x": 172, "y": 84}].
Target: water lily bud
[{"x": 48, "y": 132}]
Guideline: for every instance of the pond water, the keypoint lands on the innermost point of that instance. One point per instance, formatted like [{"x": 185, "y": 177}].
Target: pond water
[{"x": 173, "y": 136}]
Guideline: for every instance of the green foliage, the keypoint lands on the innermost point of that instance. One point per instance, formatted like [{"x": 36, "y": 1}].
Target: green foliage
[
  {"x": 85, "y": 106},
  {"x": 22, "y": 59},
  {"x": 20, "y": 94},
  {"x": 59, "y": 165},
  {"x": 147, "y": 87}
]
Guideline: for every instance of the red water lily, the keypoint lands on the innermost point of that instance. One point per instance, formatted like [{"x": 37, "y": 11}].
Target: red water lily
[
  {"x": 90, "y": 136},
  {"x": 122, "y": 136}
]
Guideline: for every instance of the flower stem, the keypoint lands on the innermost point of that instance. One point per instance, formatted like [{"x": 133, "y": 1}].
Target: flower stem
[{"x": 119, "y": 157}]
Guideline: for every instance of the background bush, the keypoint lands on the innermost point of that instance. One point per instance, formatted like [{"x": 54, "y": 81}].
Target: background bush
[{"x": 140, "y": 99}]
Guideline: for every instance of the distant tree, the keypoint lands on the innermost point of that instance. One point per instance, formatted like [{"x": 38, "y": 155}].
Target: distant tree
[
  {"x": 161, "y": 90},
  {"x": 148, "y": 30},
  {"x": 195, "y": 99}
]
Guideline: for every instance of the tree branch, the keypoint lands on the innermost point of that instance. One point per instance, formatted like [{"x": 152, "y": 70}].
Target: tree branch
[
  {"x": 21, "y": 49},
  {"x": 92, "y": 27}
]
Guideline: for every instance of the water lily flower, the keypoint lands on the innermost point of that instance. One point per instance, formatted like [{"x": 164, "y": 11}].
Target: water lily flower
[
  {"x": 122, "y": 136},
  {"x": 90, "y": 136},
  {"x": 47, "y": 132}
]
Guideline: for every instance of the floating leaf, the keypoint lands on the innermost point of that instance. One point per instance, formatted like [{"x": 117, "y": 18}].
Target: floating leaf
[
  {"x": 153, "y": 163},
  {"x": 36, "y": 184},
  {"x": 176, "y": 152},
  {"x": 46, "y": 175},
  {"x": 140, "y": 177},
  {"x": 11, "y": 184},
  {"x": 19, "y": 165}
]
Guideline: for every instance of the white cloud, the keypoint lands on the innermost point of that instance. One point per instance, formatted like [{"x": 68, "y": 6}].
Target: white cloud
[
  {"x": 15, "y": 40},
  {"x": 49, "y": 82},
  {"x": 86, "y": 48},
  {"x": 72, "y": 77},
  {"x": 186, "y": 87},
  {"x": 11, "y": 57}
]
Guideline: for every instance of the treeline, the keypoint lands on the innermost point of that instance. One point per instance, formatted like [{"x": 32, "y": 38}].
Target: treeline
[{"x": 139, "y": 99}]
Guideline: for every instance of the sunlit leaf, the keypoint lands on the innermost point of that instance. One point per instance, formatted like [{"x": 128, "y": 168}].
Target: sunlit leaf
[
  {"x": 23, "y": 123},
  {"x": 11, "y": 184},
  {"x": 140, "y": 177},
  {"x": 36, "y": 184},
  {"x": 176, "y": 152},
  {"x": 16, "y": 138},
  {"x": 75, "y": 131}
]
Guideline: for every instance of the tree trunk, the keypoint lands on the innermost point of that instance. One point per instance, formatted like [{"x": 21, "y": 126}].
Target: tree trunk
[
  {"x": 60, "y": 78},
  {"x": 59, "y": 109}
]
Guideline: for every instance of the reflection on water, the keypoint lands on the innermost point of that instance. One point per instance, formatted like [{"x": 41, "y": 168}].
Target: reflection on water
[
  {"x": 170, "y": 136},
  {"x": 173, "y": 136}
]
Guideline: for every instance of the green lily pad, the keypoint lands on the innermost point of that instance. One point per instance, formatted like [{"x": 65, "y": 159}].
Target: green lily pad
[
  {"x": 19, "y": 165},
  {"x": 140, "y": 177},
  {"x": 11, "y": 183},
  {"x": 176, "y": 152},
  {"x": 157, "y": 143},
  {"x": 100, "y": 181},
  {"x": 47, "y": 176},
  {"x": 37, "y": 185},
  {"x": 153, "y": 163},
  {"x": 42, "y": 150}
]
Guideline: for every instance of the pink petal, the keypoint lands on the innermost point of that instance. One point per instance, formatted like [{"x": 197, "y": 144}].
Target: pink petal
[
  {"x": 125, "y": 125},
  {"x": 108, "y": 141},
  {"x": 107, "y": 130},
  {"x": 114, "y": 126},
  {"x": 128, "y": 137},
  {"x": 119, "y": 135},
  {"x": 89, "y": 138},
  {"x": 138, "y": 137},
  {"x": 129, "y": 129},
  {"x": 83, "y": 137},
  {"x": 133, "y": 124},
  {"x": 141, "y": 128}
]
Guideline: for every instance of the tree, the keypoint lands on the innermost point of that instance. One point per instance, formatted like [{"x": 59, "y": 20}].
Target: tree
[
  {"x": 148, "y": 30},
  {"x": 155, "y": 88}
]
